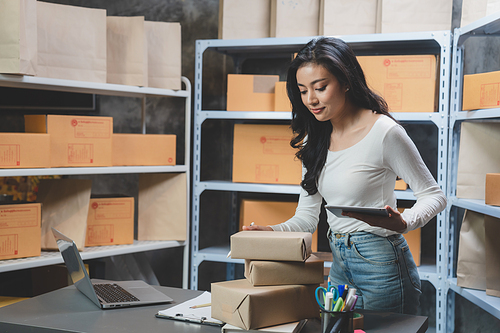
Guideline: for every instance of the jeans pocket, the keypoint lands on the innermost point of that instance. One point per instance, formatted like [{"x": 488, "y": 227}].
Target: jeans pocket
[
  {"x": 378, "y": 251},
  {"x": 411, "y": 267}
]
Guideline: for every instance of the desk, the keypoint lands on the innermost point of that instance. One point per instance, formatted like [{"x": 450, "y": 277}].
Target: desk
[{"x": 67, "y": 310}]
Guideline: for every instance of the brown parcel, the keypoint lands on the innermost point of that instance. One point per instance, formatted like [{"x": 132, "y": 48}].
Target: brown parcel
[
  {"x": 250, "y": 92},
  {"x": 144, "y": 149},
  {"x": 240, "y": 304},
  {"x": 492, "y": 192},
  {"x": 24, "y": 150},
  {"x": 271, "y": 273},
  {"x": 271, "y": 245},
  {"x": 110, "y": 221},
  {"x": 20, "y": 230},
  {"x": 481, "y": 91},
  {"x": 75, "y": 141}
]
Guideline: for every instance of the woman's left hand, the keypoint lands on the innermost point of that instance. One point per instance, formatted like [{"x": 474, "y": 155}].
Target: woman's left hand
[{"x": 392, "y": 222}]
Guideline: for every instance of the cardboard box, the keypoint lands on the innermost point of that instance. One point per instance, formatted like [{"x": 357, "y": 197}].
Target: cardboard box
[
  {"x": 250, "y": 92},
  {"x": 269, "y": 213},
  {"x": 144, "y": 149},
  {"x": 24, "y": 150},
  {"x": 271, "y": 245},
  {"x": 110, "y": 221},
  {"x": 481, "y": 91},
  {"x": 272, "y": 273},
  {"x": 20, "y": 230},
  {"x": 262, "y": 154},
  {"x": 400, "y": 185},
  {"x": 162, "y": 206},
  {"x": 75, "y": 141},
  {"x": 408, "y": 83},
  {"x": 492, "y": 192},
  {"x": 281, "y": 101},
  {"x": 240, "y": 304}
]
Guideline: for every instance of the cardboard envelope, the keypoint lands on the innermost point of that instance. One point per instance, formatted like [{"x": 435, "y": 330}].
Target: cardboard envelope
[
  {"x": 271, "y": 273},
  {"x": 240, "y": 304},
  {"x": 271, "y": 245}
]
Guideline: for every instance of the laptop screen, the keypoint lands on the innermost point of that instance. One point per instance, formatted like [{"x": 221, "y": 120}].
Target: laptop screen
[{"x": 76, "y": 268}]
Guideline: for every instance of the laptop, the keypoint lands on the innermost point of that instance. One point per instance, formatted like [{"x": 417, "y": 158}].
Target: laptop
[{"x": 105, "y": 294}]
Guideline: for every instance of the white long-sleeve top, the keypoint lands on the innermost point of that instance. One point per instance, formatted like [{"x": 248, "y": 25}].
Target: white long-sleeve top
[{"x": 365, "y": 175}]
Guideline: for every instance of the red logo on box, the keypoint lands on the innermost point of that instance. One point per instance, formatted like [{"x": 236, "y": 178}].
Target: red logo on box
[
  {"x": 95, "y": 205},
  {"x": 74, "y": 122},
  {"x": 387, "y": 62},
  {"x": 263, "y": 139}
]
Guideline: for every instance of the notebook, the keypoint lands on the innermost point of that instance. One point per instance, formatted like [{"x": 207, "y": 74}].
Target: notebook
[{"x": 105, "y": 294}]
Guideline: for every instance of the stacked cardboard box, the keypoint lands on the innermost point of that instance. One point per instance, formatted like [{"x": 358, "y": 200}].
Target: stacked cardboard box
[{"x": 280, "y": 279}]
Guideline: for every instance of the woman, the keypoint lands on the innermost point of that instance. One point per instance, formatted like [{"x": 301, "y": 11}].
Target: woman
[{"x": 352, "y": 150}]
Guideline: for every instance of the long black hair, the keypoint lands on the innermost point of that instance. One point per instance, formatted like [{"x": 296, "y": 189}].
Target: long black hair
[{"x": 312, "y": 137}]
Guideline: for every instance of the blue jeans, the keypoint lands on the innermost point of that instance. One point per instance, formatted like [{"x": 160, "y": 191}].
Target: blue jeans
[{"x": 380, "y": 268}]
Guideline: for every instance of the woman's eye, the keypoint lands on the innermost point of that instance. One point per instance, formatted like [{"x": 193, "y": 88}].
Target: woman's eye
[
  {"x": 321, "y": 89},
  {"x": 303, "y": 92}
]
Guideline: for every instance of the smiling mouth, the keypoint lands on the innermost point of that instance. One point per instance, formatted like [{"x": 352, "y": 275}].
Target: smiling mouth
[{"x": 317, "y": 110}]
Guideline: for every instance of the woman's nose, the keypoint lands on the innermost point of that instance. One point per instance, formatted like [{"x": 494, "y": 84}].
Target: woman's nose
[{"x": 312, "y": 99}]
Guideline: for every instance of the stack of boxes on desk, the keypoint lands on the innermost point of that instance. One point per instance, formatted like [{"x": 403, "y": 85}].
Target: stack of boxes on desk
[{"x": 281, "y": 276}]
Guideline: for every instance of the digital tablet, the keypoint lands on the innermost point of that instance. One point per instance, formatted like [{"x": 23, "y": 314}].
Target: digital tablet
[{"x": 337, "y": 210}]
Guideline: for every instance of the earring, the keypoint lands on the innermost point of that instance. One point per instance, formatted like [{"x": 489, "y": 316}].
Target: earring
[{"x": 347, "y": 89}]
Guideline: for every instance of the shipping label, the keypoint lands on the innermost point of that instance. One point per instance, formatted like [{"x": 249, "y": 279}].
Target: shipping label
[
  {"x": 21, "y": 217},
  {"x": 10, "y": 155},
  {"x": 80, "y": 153},
  {"x": 100, "y": 234},
  {"x": 408, "y": 67},
  {"x": 9, "y": 245},
  {"x": 489, "y": 95},
  {"x": 92, "y": 128},
  {"x": 267, "y": 173},
  {"x": 276, "y": 145},
  {"x": 112, "y": 209},
  {"x": 393, "y": 95}
]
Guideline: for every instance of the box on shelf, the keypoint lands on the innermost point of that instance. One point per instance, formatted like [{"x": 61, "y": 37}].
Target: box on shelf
[
  {"x": 408, "y": 83},
  {"x": 262, "y": 154},
  {"x": 71, "y": 42},
  {"x": 65, "y": 206},
  {"x": 481, "y": 91},
  {"x": 127, "y": 52},
  {"x": 271, "y": 245},
  {"x": 162, "y": 208},
  {"x": 240, "y": 304},
  {"x": 164, "y": 54},
  {"x": 24, "y": 150},
  {"x": 75, "y": 141},
  {"x": 271, "y": 273},
  {"x": 281, "y": 101},
  {"x": 18, "y": 37},
  {"x": 400, "y": 185},
  {"x": 144, "y": 149},
  {"x": 269, "y": 213},
  {"x": 20, "y": 230},
  {"x": 241, "y": 19},
  {"x": 492, "y": 193},
  {"x": 247, "y": 92},
  {"x": 110, "y": 221}
]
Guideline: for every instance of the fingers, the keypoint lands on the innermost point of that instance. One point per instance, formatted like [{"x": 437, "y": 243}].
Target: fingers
[{"x": 257, "y": 228}]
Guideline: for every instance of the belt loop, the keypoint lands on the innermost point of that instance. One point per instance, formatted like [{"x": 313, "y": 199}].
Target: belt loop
[
  {"x": 348, "y": 240},
  {"x": 328, "y": 234}
]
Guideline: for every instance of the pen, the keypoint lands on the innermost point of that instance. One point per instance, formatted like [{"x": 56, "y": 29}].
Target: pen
[
  {"x": 251, "y": 224},
  {"x": 200, "y": 306}
]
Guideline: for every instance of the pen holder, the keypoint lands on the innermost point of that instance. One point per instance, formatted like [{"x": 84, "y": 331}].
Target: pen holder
[{"x": 337, "y": 321}]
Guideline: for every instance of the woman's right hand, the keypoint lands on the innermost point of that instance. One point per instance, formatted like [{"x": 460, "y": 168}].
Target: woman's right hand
[{"x": 257, "y": 227}]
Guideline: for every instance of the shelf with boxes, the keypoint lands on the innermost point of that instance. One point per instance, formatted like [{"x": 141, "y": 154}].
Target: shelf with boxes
[
  {"x": 473, "y": 213},
  {"x": 179, "y": 173},
  {"x": 437, "y": 44}
]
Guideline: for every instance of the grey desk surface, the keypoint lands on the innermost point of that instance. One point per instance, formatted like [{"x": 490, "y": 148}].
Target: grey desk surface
[{"x": 67, "y": 310}]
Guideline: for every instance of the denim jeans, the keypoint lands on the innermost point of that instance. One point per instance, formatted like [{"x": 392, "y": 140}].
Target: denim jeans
[{"x": 380, "y": 268}]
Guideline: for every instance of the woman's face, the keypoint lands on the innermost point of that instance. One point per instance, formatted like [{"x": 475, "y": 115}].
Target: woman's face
[{"x": 321, "y": 92}]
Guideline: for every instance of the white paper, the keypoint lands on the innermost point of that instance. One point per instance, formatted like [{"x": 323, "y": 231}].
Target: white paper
[{"x": 183, "y": 311}]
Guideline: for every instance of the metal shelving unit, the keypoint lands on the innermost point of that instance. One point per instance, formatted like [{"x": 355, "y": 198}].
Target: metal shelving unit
[
  {"x": 485, "y": 27},
  {"x": 50, "y": 258},
  {"x": 438, "y": 43}
]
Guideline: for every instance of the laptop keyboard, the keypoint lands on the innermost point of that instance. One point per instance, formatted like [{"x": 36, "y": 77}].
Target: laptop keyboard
[{"x": 113, "y": 293}]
